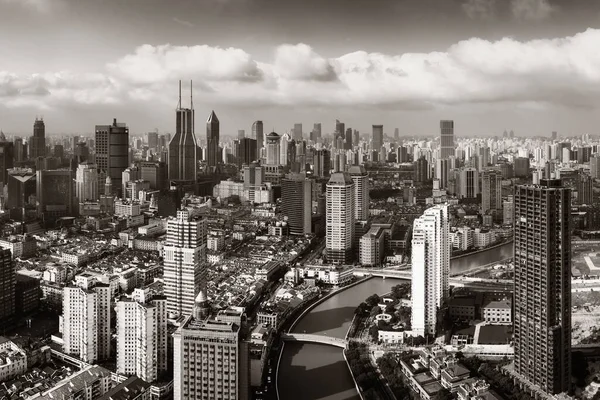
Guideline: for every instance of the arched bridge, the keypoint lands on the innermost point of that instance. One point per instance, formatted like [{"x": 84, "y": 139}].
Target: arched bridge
[{"x": 321, "y": 339}]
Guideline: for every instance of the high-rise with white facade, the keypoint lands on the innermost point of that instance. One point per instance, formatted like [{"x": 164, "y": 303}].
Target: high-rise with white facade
[
  {"x": 142, "y": 335},
  {"x": 430, "y": 268},
  {"x": 86, "y": 319},
  {"x": 273, "y": 149},
  {"x": 360, "y": 177},
  {"x": 86, "y": 182},
  {"x": 184, "y": 256},
  {"x": 340, "y": 218}
]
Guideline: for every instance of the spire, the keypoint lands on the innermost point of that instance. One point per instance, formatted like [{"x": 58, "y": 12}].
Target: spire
[
  {"x": 212, "y": 117},
  {"x": 179, "y": 103},
  {"x": 191, "y": 96}
]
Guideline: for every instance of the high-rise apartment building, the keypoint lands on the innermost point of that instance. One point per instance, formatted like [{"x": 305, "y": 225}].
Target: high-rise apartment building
[
  {"x": 7, "y": 159},
  {"x": 37, "y": 143},
  {"x": 468, "y": 183},
  {"x": 340, "y": 218},
  {"x": 421, "y": 172},
  {"x": 112, "y": 153},
  {"x": 296, "y": 203},
  {"x": 377, "y": 141},
  {"x": 246, "y": 151},
  {"x": 585, "y": 189},
  {"x": 152, "y": 138},
  {"x": 430, "y": 268},
  {"x": 8, "y": 283},
  {"x": 360, "y": 177},
  {"x": 442, "y": 168},
  {"x": 184, "y": 257},
  {"x": 446, "y": 138},
  {"x": 20, "y": 149},
  {"x": 273, "y": 149},
  {"x": 348, "y": 141},
  {"x": 211, "y": 360},
  {"x": 522, "y": 167},
  {"x": 542, "y": 297},
  {"x": 257, "y": 133},
  {"x": 183, "y": 146},
  {"x": 317, "y": 131},
  {"x": 142, "y": 335},
  {"x": 86, "y": 319},
  {"x": 491, "y": 191},
  {"x": 212, "y": 141},
  {"x": 55, "y": 193},
  {"x": 595, "y": 166}
]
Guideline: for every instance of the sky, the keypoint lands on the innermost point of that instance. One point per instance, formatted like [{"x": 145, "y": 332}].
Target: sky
[{"x": 532, "y": 66}]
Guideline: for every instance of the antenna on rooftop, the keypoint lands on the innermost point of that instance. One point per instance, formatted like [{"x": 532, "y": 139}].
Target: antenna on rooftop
[
  {"x": 179, "y": 104},
  {"x": 191, "y": 96}
]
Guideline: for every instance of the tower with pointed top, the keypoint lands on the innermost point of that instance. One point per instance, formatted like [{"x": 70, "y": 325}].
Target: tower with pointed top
[
  {"x": 183, "y": 147},
  {"x": 212, "y": 141},
  {"x": 37, "y": 143}
]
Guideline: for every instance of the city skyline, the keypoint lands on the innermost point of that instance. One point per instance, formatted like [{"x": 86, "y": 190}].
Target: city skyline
[{"x": 467, "y": 62}]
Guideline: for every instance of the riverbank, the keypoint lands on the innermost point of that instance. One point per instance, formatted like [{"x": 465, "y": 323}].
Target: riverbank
[{"x": 470, "y": 253}]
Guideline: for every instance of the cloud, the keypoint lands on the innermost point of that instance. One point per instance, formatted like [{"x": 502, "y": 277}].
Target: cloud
[
  {"x": 561, "y": 72},
  {"x": 531, "y": 10},
  {"x": 480, "y": 9},
  {"x": 184, "y": 22},
  {"x": 42, "y": 6}
]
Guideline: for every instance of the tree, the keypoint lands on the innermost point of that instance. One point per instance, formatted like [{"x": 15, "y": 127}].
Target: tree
[
  {"x": 375, "y": 311},
  {"x": 374, "y": 333},
  {"x": 443, "y": 394},
  {"x": 372, "y": 300}
]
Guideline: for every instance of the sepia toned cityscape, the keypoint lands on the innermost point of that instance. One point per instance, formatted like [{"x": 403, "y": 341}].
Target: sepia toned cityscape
[{"x": 318, "y": 200}]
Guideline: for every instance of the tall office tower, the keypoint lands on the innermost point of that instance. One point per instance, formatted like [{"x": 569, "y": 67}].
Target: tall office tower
[
  {"x": 241, "y": 133},
  {"x": 184, "y": 255},
  {"x": 542, "y": 297},
  {"x": 402, "y": 154},
  {"x": 7, "y": 159},
  {"x": 254, "y": 175},
  {"x": 257, "y": 133},
  {"x": 348, "y": 143},
  {"x": 421, "y": 170},
  {"x": 360, "y": 177},
  {"x": 8, "y": 283},
  {"x": 317, "y": 131},
  {"x": 446, "y": 139},
  {"x": 81, "y": 153},
  {"x": 595, "y": 166},
  {"x": 212, "y": 140},
  {"x": 283, "y": 149},
  {"x": 296, "y": 203},
  {"x": 55, "y": 194},
  {"x": 430, "y": 268},
  {"x": 246, "y": 151},
  {"x": 340, "y": 128},
  {"x": 21, "y": 186},
  {"x": 152, "y": 140},
  {"x": 377, "y": 142},
  {"x": 521, "y": 167},
  {"x": 468, "y": 183},
  {"x": 37, "y": 143},
  {"x": 396, "y": 134},
  {"x": 322, "y": 163},
  {"x": 442, "y": 169},
  {"x": 86, "y": 319},
  {"x": 554, "y": 135},
  {"x": 340, "y": 218},
  {"x": 491, "y": 191},
  {"x": 585, "y": 189},
  {"x": 484, "y": 158},
  {"x": 20, "y": 150},
  {"x": 297, "y": 134},
  {"x": 273, "y": 149},
  {"x": 222, "y": 375},
  {"x": 112, "y": 153},
  {"x": 292, "y": 153},
  {"x": 142, "y": 335},
  {"x": 183, "y": 147},
  {"x": 155, "y": 173},
  {"x": 86, "y": 182}
]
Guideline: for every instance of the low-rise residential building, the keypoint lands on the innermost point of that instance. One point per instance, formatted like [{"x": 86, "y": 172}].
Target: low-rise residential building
[
  {"x": 391, "y": 337},
  {"x": 13, "y": 360},
  {"x": 329, "y": 274},
  {"x": 22, "y": 246},
  {"x": 483, "y": 237},
  {"x": 476, "y": 390},
  {"x": 497, "y": 311},
  {"x": 266, "y": 318},
  {"x": 88, "y": 384},
  {"x": 462, "y": 308}
]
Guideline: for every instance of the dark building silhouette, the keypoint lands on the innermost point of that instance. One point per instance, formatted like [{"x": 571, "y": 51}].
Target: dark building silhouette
[
  {"x": 258, "y": 134},
  {"x": 112, "y": 154},
  {"x": 21, "y": 186},
  {"x": 27, "y": 294},
  {"x": 585, "y": 189},
  {"x": 37, "y": 143},
  {"x": 542, "y": 297},
  {"x": 183, "y": 147},
  {"x": 446, "y": 138},
  {"x": 246, "y": 151},
  {"x": 348, "y": 143},
  {"x": 522, "y": 167},
  {"x": 7, "y": 159},
  {"x": 212, "y": 140},
  {"x": 154, "y": 172},
  {"x": 55, "y": 194},
  {"x": 421, "y": 170},
  {"x": 377, "y": 142},
  {"x": 296, "y": 203},
  {"x": 7, "y": 285}
]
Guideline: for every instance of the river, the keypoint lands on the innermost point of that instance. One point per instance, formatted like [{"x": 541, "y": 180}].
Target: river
[{"x": 319, "y": 372}]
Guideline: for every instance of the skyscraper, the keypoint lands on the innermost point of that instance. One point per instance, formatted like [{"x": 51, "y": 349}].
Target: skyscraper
[
  {"x": 183, "y": 146},
  {"x": 522, "y": 167},
  {"x": 297, "y": 132},
  {"x": 340, "y": 128},
  {"x": 283, "y": 149},
  {"x": 595, "y": 166},
  {"x": 257, "y": 133},
  {"x": 184, "y": 255},
  {"x": 468, "y": 183},
  {"x": 112, "y": 153},
  {"x": 542, "y": 297},
  {"x": 446, "y": 139},
  {"x": 340, "y": 218},
  {"x": 20, "y": 150},
  {"x": 585, "y": 189},
  {"x": 430, "y": 268},
  {"x": 152, "y": 140},
  {"x": 7, "y": 159},
  {"x": 55, "y": 193},
  {"x": 296, "y": 203},
  {"x": 348, "y": 141},
  {"x": 246, "y": 151},
  {"x": 86, "y": 319},
  {"x": 142, "y": 335},
  {"x": 421, "y": 170},
  {"x": 37, "y": 143},
  {"x": 360, "y": 177},
  {"x": 491, "y": 191},
  {"x": 441, "y": 171},
  {"x": 273, "y": 149},
  {"x": 8, "y": 283},
  {"x": 317, "y": 131},
  {"x": 396, "y": 134},
  {"x": 212, "y": 140},
  {"x": 377, "y": 142}
]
